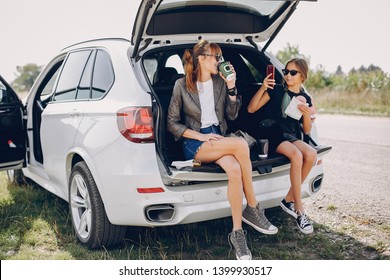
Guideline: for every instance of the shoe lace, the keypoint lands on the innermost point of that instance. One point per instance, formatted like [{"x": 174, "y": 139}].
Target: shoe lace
[
  {"x": 261, "y": 216},
  {"x": 304, "y": 220},
  {"x": 239, "y": 236}
]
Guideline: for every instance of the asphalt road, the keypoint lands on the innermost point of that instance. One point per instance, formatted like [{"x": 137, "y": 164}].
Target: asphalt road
[{"x": 357, "y": 170}]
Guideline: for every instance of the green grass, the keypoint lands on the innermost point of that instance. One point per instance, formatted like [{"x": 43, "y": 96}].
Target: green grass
[
  {"x": 331, "y": 207},
  {"x": 36, "y": 225},
  {"x": 370, "y": 103}
]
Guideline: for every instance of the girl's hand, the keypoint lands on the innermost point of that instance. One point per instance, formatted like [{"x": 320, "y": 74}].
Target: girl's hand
[
  {"x": 268, "y": 83},
  {"x": 211, "y": 136},
  {"x": 306, "y": 117},
  {"x": 305, "y": 109}
]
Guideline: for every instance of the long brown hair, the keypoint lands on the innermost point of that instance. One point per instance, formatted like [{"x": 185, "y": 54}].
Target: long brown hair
[{"x": 191, "y": 63}]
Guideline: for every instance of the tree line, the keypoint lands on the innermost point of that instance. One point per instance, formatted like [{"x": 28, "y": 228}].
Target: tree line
[{"x": 371, "y": 78}]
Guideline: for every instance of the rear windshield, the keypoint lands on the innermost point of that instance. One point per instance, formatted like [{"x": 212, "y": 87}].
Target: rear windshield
[
  {"x": 226, "y": 17},
  {"x": 264, "y": 8}
]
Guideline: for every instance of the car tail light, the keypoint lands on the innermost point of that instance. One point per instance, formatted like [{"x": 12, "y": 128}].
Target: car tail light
[{"x": 136, "y": 124}]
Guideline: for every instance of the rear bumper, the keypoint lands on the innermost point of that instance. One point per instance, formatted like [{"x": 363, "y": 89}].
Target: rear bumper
[{"x": 205, "y": 201}]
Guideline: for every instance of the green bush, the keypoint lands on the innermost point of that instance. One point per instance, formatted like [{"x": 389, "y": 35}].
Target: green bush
[{"x": 363, "y": 91}]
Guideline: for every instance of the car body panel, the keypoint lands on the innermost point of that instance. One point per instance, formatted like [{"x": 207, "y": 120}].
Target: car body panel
[
  {"x": 194, "y": 203},
  {"x": 60, "y": 123}
]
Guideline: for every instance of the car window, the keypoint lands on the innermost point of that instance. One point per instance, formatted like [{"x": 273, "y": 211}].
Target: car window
[
  {"x": 175, "y": 62},
  {"x": 5, "y": 97},
  {"x": 150, "y": 65},
  {"x": 103, "y": 75},
  {"x": 71, "y": 75},
  {"x": 263, "y": 7},
  {"x": 258, "y": 77},
  {"x": 84, "y": 88},
  {"x": 48, "y": 88},
  {"x": 2, "y": 93}
]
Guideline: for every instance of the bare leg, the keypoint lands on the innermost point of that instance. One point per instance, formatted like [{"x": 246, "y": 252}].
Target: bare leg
[
  {"x": 296, "y": 159},
  {"x": 302, "y": 159},
  {"x": 235, "y": 188},
  {"x": 309, "y": 157},
  {"x": 238, "y": 148}
]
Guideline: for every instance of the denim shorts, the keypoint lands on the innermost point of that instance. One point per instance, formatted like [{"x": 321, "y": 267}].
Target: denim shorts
[{"x": 191, "y": 146}]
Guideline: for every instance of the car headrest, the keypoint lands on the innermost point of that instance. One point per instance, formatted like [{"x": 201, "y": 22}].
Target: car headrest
[{"x": 165, "y": 76}]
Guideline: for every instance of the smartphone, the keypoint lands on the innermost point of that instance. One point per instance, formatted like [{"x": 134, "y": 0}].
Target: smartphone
[{"x": 271, "y": 70}]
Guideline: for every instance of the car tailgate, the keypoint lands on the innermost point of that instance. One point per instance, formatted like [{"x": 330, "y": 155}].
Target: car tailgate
[{"x": 213, "y": 172}]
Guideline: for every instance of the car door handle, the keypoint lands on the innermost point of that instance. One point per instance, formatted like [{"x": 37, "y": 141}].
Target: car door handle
[{"x": 74, "y": 113}]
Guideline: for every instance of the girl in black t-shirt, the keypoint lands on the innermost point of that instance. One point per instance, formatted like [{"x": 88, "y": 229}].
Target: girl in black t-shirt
[{"x": 286, "y": 138}]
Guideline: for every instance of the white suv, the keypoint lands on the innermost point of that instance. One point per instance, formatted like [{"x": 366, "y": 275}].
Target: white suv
[{"x": 93, "y": 129}]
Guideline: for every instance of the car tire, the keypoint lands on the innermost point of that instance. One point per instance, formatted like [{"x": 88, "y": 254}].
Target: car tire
[
  {"x": 89, "y": 219},
  {"x": 16, "y": 176}
]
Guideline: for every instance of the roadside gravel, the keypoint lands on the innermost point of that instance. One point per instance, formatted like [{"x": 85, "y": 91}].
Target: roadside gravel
[{"x": 355, "y": 197}]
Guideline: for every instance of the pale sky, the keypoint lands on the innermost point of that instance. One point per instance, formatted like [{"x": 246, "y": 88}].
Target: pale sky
[{"x": 349, "y": 33}]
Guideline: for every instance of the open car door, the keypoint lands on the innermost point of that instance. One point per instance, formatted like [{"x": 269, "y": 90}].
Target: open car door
[{"x": 12, "y": 130}]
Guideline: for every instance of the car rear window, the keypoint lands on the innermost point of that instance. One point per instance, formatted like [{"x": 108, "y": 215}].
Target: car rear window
[
  {"x": 265, "y": 8},
  {"x": 226, "y": 17},
  {"x": 103, "y": 75}
]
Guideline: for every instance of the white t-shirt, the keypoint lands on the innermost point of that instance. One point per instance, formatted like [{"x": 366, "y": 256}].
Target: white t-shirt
[{"x": 206, "y": 96}]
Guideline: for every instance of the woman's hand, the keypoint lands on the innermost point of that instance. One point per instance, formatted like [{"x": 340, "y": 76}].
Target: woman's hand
[
  {"x": 268, "y": 83},
  {"x": 208, "y": 137},
  {"x": 232, "y": 83}
]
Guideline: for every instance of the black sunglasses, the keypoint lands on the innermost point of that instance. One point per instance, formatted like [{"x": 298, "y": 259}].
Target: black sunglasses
[
  {"x": 217, "y": 56},
  {"x": 292, "y": 72}
]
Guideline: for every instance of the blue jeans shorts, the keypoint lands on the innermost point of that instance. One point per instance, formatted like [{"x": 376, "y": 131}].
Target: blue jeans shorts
[{"x": 192, "y": 146}]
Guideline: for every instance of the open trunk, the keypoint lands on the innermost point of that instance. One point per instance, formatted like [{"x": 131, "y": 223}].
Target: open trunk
[
  {"x": 165, "y": 28},
  {"x": 163, "y": 67}
]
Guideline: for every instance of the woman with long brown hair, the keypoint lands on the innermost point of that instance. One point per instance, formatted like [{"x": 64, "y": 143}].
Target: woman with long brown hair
[{"x": 206, "y": 97}]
